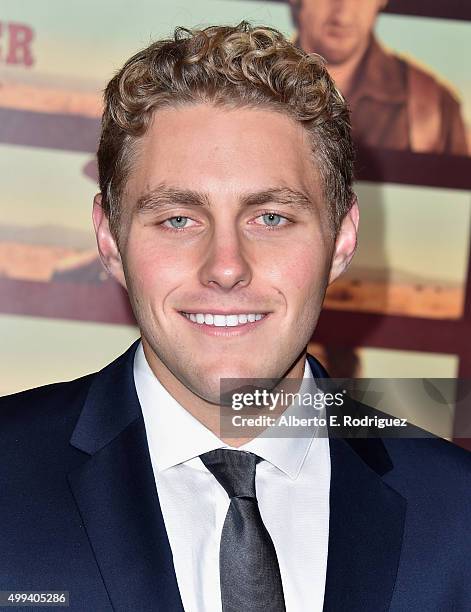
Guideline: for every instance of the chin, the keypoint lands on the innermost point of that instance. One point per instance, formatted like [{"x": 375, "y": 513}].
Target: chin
[
  {"x": 337, "y": 56},
  {"x": 208, "y": 380},
  {"x": 232, "y": 371}
]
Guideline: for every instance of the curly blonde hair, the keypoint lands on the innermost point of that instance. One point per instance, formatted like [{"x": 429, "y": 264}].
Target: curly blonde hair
[{"x": 239, "y": 66}]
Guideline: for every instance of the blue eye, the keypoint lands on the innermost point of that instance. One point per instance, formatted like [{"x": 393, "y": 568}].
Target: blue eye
[
  {"x": 272, "y": 219},
  {"x": 178, "y": 222}
]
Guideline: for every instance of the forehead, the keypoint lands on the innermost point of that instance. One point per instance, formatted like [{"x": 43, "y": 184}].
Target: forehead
[{"x": 219, "y": 150}]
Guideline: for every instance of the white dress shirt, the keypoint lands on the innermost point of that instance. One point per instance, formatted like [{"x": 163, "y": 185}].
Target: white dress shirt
[{"x": 292, "y": 485}]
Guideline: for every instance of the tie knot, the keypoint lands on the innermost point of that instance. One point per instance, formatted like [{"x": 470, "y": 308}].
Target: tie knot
[{"x": 233, "y": 469}]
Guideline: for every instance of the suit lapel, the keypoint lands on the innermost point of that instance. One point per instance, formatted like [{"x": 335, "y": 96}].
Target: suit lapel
[
  {"x": 115, "y": 492},
  {"x": 365, "y": 532},
  {"x": 366, "y": 525}
]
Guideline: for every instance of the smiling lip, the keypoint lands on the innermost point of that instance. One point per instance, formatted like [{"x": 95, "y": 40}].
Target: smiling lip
[
  {"x": 221, "y": 311},
  {"x": 339, "y": 31},
  {"x": 225, "y": 330}
]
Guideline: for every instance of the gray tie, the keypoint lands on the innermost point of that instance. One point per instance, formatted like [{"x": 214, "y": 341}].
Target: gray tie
[{"x": 249, "y": 570}]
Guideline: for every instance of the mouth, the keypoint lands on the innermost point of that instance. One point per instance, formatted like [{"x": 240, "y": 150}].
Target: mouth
[
  {"x": 339, "y": 31},
  {"x": 210, "y": 321}
]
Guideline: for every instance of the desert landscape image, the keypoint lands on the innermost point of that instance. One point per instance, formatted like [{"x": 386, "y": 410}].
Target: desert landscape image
[
  {"x": 46, "y": 229},
  {"x": 412, "y": 254},
  {"x": 44, "y": 97},
  {"x": 48, "y": 253},
  {"x": 400, "y": 294}
]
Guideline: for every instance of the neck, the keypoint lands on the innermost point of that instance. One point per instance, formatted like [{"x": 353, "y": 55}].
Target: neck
[
  {"x": 343, "y": 75},
  {"x": 208, "y": 413}
]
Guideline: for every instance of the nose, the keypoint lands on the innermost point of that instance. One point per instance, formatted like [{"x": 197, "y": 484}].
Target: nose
[
  {"x": 225, "y": 265},
  {"x": 343, "y": 11}
]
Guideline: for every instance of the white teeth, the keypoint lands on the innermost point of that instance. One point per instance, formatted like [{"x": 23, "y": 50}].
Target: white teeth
[{"x": 218, "y": 320}]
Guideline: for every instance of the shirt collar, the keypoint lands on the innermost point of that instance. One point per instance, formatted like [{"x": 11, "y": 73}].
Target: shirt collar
[
  {"x": 176, "y": 437},
  {"x": 286, "y": 451}
]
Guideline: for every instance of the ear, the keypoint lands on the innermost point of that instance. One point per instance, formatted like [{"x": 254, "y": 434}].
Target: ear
[
  {"x": 107, "y": 246},
  {"x": 346, "y": 242}
]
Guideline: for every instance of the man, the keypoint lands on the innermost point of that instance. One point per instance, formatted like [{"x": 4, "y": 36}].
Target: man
[
  {"x": 395, "y": 104},
  {"x": 226, "y": 208}
]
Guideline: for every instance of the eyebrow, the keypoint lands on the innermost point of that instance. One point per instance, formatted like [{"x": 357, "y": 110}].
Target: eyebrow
[{"x": 164, "y": 196}]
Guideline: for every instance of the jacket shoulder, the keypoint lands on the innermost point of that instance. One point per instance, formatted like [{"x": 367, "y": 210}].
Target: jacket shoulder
[
  {"x": 43, "y": 403},
  {"x": 427, "y": 80},
  {"x": 431, "y": 464},
  {"x": 431, "y": 448}
]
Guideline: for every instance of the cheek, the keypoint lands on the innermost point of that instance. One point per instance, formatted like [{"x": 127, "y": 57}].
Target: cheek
[
  {"x": 154, "y": 269},
  {"x": 311, "y": 20},
  {"x": 322, "y": 13},
  {"x": 368, "y": 18},
  {"x": 302, "y": 269}
]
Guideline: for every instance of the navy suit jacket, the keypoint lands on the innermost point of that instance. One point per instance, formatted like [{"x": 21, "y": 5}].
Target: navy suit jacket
[{"x": 79, "y": 509}]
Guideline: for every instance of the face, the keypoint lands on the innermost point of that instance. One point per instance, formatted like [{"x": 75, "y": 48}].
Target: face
[
  {"x": 224, "y": 222},
  {"x": 337, "y": 29}
]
